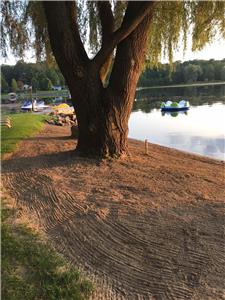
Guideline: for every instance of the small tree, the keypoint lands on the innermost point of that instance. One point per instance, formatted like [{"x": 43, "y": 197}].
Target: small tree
[
  {"x": 14, "y": 85},
  {"x": 43, "y": 83},
  {"x": 20, "y": 85},
  {"x": 53, "y": 77},
  {"x": 34, "y": 83},
  {"x": 192, "y": 73},
  {"x": 222, "y": 73},
  {"x": 209, "y": 72},
  {"x": 49, "y": 84},
  {"x": 4, "y": 85}
]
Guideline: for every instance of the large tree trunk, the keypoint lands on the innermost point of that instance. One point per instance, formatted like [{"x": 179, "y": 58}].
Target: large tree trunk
[{"x": 102, "y": 112}]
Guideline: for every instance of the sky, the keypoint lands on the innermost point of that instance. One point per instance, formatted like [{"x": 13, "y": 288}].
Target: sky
[{"x": 215, "y": 50}]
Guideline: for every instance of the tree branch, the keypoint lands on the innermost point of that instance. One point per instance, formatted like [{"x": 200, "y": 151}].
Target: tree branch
[
  {"x": 135, "y": 13},
  {"x": 107, "y": 19},
  {"x": 108, "y": 25},
  {"x": 63, "y": 32},
  {"x": 72, "y": 18}
]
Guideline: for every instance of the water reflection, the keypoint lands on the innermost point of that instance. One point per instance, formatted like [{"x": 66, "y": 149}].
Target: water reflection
[
  {"x": 193, "y": 92},
  {"x": 201, "y": 130},
  {"x": 149, "y": 99},
  {"x": 197, "y": 144},
  {"x": 173, "y": 113},
  {"x": 192, "y": 133}
]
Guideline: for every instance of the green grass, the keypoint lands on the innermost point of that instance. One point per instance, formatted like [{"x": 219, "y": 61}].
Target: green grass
[
  {"x": 31, "y": 268},
  {"x": 24, "y": 125}
]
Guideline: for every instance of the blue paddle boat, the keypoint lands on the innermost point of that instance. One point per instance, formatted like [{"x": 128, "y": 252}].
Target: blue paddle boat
[{"x": 183, "y": 105}]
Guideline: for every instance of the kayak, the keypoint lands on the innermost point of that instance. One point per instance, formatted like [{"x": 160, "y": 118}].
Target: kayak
[{"x": 183, "y": 105}]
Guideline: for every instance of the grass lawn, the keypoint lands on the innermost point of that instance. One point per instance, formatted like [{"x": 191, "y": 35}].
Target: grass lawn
[
  {"x": 32, "y": 270},
  {"x": 24, "y": 125}
]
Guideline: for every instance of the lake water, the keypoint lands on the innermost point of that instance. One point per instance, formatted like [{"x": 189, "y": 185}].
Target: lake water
[{"x": 200, "y": 130}]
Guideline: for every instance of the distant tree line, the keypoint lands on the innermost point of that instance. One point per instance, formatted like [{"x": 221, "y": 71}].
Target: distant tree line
[
  {"x": 38, "y": 75},
  {"x": 42, "y": 77},
  {"x": 186, "y": 72}
]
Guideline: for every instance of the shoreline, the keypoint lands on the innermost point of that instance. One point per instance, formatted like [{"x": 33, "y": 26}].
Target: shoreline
[
  {"x": 66, "y": 129},
  {"x": 17, "y": 105},
  {"x": 182, "y": 151},
  {"x": 182, "y": 85}
]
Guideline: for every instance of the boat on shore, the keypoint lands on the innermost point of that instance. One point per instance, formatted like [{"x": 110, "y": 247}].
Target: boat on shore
[
  {"x": 37, "y": 105},
  {"x": 63, "y": 108}
]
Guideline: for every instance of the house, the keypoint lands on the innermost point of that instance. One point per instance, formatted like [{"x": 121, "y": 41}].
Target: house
[
  {"x": 56, "y": 88},
  {"x": 27, "y": 87}
]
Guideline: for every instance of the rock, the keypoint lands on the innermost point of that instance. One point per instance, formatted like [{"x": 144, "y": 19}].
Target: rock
[
  {"x": 51, "y": 122},
  {"x": 53, "y": 113},
  {"x": 74, "y": 131},
  {"x": 59, "y": 123},
  {"x": 67, "y": 120}
]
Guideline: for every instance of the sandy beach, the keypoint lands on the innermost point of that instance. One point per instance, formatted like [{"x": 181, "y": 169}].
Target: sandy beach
[{"x": 144, "y": 227}]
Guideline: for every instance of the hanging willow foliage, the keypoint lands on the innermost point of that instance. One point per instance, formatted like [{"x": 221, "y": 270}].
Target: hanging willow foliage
[
  {"x": 23, "y": 25},
  {"x": 172, "y": 20},
  {"x": 35, "y": 14},
  {"x": 14, "y": 28}
]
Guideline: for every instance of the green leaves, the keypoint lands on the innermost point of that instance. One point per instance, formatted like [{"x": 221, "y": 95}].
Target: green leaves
[
  {"x": 208, "y": 20},
  {"x": 14, "y": 32},
  {"x": 24, "y": 25},
  {"x": 173, "y": 20}
]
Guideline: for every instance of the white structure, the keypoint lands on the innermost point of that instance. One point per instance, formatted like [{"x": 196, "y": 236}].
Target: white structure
[
  {"x": 56, "y": 88},
  {"x": 27, "y": 87},
  {"x": 12, "y": 97}
]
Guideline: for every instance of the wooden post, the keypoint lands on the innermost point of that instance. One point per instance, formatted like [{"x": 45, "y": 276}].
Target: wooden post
[
  {"x": 146, "y": 146},
  {"x": 31, "y": 96}
]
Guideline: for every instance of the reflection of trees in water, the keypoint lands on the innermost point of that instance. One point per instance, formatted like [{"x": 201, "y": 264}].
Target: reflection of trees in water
[
  {"x": 174, "y": 113},
  {"x": 146, "y": 105},
  {"x": 149, "y": 99}
]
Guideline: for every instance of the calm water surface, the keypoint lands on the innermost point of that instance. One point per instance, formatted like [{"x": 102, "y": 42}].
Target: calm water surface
[{"x": 201, "y": 130}]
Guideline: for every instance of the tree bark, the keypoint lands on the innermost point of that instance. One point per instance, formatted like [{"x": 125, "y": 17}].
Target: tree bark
[
  {"x": 108, "y": 121},
  {"x": 108, "y": 26},
  {"x": 129, "y": 61},
  {"x": 102, "y": 112}
]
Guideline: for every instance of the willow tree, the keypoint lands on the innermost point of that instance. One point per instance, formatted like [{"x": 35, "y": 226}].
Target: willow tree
[{"x": 121, "y": 37}]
